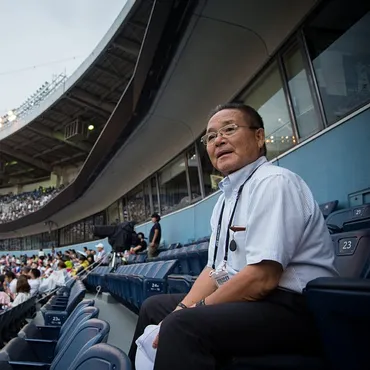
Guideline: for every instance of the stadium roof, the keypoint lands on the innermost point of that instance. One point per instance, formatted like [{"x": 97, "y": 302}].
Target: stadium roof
[{"x": 31, "y": 148}]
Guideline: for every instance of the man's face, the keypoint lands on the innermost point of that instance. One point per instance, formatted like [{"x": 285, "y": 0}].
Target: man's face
[{"x": 229, "y": 154}]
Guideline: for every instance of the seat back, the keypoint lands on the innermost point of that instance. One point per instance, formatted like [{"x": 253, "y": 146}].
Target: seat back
[
  {"x": 91, "y": 332},
  {"x": 352, "y": 250},
  {"x": 69, "y": 322},
  {"x": 350, "y": 219},
  {"x": 83, "y": 315},
  {"x": 328, "y": 208},
  {"x": 16, "y": 349},
  {"x": 101, "y": 356}
]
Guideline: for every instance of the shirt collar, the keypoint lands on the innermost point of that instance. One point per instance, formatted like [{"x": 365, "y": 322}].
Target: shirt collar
[{"x": 237, "y": 178}]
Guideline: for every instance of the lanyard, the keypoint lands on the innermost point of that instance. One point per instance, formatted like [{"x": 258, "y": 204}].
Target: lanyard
[{"x": 229, "y": 223}]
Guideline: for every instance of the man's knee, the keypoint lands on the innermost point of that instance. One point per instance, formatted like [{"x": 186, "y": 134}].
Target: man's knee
[
  {"x": 150, "y": 303},
  {"x": 178, "y": 321}
]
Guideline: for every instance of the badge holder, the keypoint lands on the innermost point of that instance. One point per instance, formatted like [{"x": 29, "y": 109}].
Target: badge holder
[{"x": 220, "y": 276}]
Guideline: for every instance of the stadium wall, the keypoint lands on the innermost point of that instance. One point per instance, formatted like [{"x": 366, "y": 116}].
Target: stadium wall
[{"x": 332, "y": 163}]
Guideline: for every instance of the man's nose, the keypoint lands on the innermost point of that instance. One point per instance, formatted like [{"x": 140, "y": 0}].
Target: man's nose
[{"x": 220, "y": 140}]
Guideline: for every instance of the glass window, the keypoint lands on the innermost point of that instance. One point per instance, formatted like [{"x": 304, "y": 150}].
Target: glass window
[
  {"x": 193, "y": 170},
  {"x": 135, "y": 204},
  {"x": 337, "y": 40},
  {"x": 147, "y": 200},
  {"x": 211, "y": 177},
  {"x": 153, "y": 182},
  {"x": 125, "y": 215},
  {"x": 173, "y": 187},
  {"x": 113, "y": 213},
  {"x": 99, "y": 219},
  {"x": 89, "y": 228},
  {"x": 302, "y": 101},
  {"x": 267, "y": 97}
]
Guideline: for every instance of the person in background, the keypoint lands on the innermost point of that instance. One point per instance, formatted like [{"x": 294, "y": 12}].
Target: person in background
[
  {"x": 23, "y": 291},
  {"x": 34, "y": 281},
  {"x": 25, "y": 270},
  {"x": 10, "y": 284},
  {"x": 83, "y": 265},
  {"x": 141, "y": 245},
  {"x": 102, "y": 255},
  {"x": 155, "y": 235},
  {"x": 4, "y": 298}
]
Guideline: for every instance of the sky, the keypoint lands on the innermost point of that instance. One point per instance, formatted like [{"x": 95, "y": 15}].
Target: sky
[{"x": 42, "y": 38}]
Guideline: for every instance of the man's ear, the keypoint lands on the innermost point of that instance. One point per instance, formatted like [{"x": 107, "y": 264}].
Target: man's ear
[{"x": 260, "y": 137}]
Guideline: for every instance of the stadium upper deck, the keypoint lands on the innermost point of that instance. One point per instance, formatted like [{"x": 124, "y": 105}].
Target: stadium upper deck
[{"x": 54, "y": 134}]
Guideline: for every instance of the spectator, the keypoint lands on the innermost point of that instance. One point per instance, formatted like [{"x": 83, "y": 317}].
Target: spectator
[
  {"x": 25, "y": 270},
  {"x": 23, "y": 291},
  {"x": 141, "y": 245},
  {"x": 34, "y": 281},
  {"x": 17, "y": 206},
  {"x": 155, "y": 236},
  {"x": 102, "y": 255},
  {"x": 269, "y": 239},
  {"x": 10, "y": 283}
]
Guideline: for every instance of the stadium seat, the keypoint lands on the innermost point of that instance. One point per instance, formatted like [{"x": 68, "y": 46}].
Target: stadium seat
[
  {"x": 47, "y": 349},
  {"x": 97, "y": 278},
  {"x": 54, "y": 333},
  {"x": 101, "y": 356},
  {"x": 352, "y": 250},
  {"x": 180, "y": 283},
  {"x": 328, "y": 208},
  {"x": 12, "y": 320},
  {"x": 341, "y": 307},
  {"x": 19, "y": 354},
  {"x": 349, "y": 219},
  {"x": 56, "y": 314}
]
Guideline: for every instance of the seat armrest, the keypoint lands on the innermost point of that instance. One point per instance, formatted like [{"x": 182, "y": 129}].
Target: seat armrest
[
  {"x": 337, "y": 283},
  {"x": 49, "y": 332},
  {"x": 43, "y": 349},
  {"x": 22, "y": 365}
]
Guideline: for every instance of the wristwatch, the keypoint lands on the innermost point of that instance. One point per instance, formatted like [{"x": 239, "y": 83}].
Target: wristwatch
[
  {"x": 200, "y": 303},
  {"x": 181, "y": 305}
]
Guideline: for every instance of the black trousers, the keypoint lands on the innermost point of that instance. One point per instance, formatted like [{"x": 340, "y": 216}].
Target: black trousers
[{"x": 204, "y": 337}]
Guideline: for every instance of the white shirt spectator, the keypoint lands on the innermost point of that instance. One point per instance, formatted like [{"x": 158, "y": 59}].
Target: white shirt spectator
[
  {"x": 282, "y": 222},
  {"x": 13, "y": 286},
  {"x": 35, "y": 285},
  {"x": 20, "y": 298}
]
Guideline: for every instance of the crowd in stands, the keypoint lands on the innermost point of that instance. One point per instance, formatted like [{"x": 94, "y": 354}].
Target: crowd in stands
[
  {"x": 26, "y": 276},
  {"x": 16, "y": 206}
]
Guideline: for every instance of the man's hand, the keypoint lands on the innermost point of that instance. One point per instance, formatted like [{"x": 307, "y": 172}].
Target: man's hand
[{"x": 155, "y": 341}]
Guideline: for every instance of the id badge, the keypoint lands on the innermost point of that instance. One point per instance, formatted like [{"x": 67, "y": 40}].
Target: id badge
[{"x": 220, "y": 277}]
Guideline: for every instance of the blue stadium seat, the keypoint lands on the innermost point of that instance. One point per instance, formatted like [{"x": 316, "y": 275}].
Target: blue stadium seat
[
  {"x": 12, "y": 320},
  {"x": 349, "y": 219},
  {"x": 55, "y": 313},
  {"x": 341, "y": 307},
  {"x": 328, "y": 208},
  {"x": 18, "y": 353},
  {"x": 52, "y": 333},
  {"x": 352, "y": 250},
  {"x": 47, "y": 349},
  {"x": 97, "y": 278},
  {"x": 101, "y": 356},
  {"x": 180, "y": 283}
]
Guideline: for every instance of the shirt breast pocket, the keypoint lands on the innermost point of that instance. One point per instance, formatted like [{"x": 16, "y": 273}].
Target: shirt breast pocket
[{"x": 238, "y": 257}]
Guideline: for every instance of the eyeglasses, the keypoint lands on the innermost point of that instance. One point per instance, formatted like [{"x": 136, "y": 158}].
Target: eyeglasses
[{"x": 225, "y": 131}]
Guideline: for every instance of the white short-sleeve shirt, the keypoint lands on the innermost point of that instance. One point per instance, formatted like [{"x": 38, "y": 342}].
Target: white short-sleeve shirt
[{"x": 282, "y": 222}]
